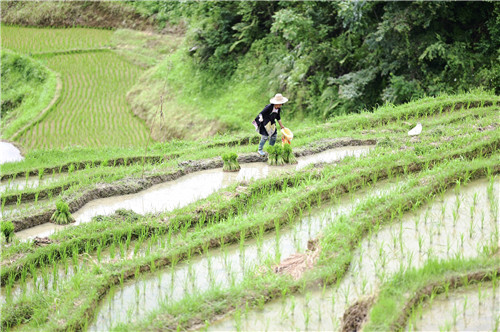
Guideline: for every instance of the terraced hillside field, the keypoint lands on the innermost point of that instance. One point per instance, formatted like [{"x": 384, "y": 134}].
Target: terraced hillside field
[
  {"x": 372, "y": 228},
  {"x": 91, "y": 110}
]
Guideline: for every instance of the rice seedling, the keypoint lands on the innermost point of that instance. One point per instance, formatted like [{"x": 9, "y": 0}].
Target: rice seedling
[
  {"x": 7, "y": 228},
  {"x": 62, "y": 216},
  {"x": 230, "y": 162},
  {"x": 288, "y": 155}
]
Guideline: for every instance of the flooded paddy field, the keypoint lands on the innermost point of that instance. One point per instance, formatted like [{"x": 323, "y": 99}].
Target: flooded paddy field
[
  {"x": 461, "y": 222},
  {"x": 472, "y": 308},
  {"x": 187, "y": 189},
  {"x": 205, "y": 233},
  {"x": 221, "y": 267},
  {"x": 172, "y": 192}
]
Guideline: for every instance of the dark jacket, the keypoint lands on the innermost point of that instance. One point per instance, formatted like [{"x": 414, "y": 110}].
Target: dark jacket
[{"x": 265, "y": 116}]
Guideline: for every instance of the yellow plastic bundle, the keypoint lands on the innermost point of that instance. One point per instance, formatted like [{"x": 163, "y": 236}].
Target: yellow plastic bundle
[{"x": 287, "y": 136}]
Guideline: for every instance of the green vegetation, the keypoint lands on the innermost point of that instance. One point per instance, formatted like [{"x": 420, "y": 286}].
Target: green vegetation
[
  {"x": 230, "y": 162},
  {"x": 27, "y": 88},
  {"x": 7, "y": 230},
  {"x": 329, "y": 58},
  {"x": 400, "y": 297},
  {"x": 86, "y": 114},
  {"x": 62, "y": 216},
  {"x": 91, "y": 14},
  {"x": 288, "y": 155},
  {"x": 195, "y": 89}
]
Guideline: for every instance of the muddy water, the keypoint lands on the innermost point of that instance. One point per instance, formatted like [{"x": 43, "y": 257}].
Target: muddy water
[
  {"x": 442, "y": 229},
  {"x": 9, "y": 153},
  {"x": 220, "y": 267},
  {"x": 173, "y": 194},
  {"x": 475, "y": 308}
]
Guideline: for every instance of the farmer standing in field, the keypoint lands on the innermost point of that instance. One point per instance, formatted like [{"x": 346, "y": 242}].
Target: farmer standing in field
[{"x": 265, "y": 122}]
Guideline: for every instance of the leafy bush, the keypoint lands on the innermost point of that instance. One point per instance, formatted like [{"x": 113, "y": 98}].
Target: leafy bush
[
  {"x": 230, "y": 162},
  {"x": 7, "y": 229},
  {"x": 62, "y": 216}
]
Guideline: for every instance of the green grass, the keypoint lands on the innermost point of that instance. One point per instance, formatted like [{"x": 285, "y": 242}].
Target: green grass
[
  {"x": 199, "y": 105},
  {"x": 451, "y": 148},
  {"x": 27, "y": 88}
]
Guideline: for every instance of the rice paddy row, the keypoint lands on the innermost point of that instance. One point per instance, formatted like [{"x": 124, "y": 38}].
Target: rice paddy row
[
  {"x": 433, "y": 181},
  {"x": 349, "y": 125},
  {"x": 87, "y": 113},
  {"x": 35, "y": 40},
  {"x": 92, "y": 109},
  {"x": 488, "y": 119}
]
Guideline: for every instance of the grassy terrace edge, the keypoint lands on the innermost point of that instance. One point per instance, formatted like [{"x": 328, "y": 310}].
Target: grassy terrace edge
[
  {"x": 392, "y": 309},
  {"x": 101, "y": 282}
]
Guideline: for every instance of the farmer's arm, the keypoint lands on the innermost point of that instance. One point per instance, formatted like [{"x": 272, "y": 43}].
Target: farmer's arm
[{"x": 281, "y": 125}]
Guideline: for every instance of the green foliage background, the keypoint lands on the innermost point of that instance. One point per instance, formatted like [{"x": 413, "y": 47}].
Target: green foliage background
[{"x": 339, "y": 57}]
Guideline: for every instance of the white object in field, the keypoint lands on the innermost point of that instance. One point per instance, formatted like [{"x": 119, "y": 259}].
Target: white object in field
[{"x": 416, "y": 131}]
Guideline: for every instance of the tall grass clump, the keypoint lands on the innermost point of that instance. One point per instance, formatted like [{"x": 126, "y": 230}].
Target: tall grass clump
[
  {"x": 62, "y": 216},
  {"x": 7, "y": 229},
  {"x": 230, "y": 162}
]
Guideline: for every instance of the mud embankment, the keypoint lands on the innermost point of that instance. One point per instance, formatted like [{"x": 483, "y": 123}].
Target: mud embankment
[{"x": 131, "y": 186}]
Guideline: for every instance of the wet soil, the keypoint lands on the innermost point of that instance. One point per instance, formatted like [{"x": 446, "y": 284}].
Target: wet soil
[{"x": 355, "y": 315}]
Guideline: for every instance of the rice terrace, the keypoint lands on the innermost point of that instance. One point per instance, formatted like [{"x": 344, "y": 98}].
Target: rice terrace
[{"x": 250, "y": 166}]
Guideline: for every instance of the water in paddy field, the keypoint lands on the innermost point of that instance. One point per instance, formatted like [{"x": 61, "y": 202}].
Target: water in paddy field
[
  {"x": 21, "y": 183},
  {"x": 221, "y": 267},
  {"x": 190, "y": 188},
  {"x": 474, "y": 308},
  {"x": 440, "y": 230},
  {"x": 9, "y": 153}
]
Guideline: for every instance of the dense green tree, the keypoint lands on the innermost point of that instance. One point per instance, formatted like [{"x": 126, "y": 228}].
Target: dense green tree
[{"x": 338, "y": 57}]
